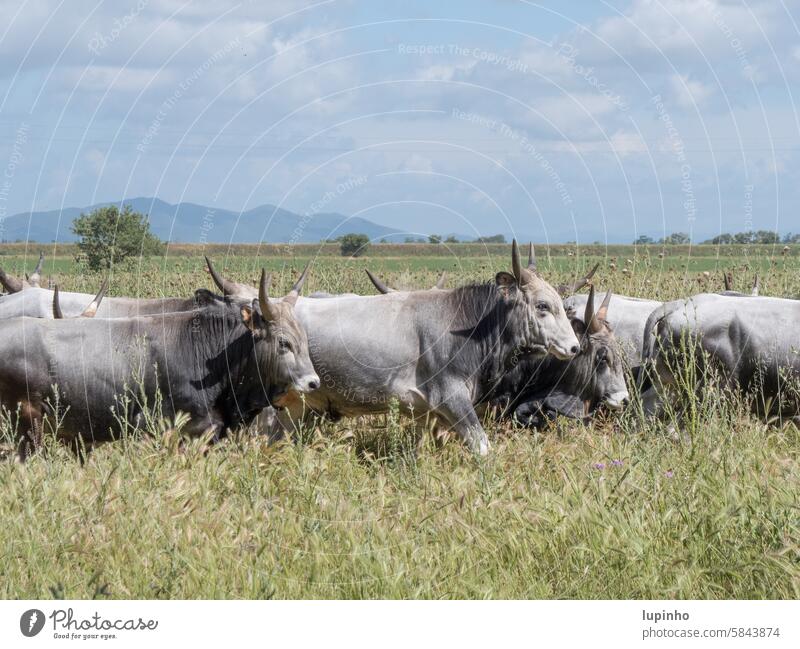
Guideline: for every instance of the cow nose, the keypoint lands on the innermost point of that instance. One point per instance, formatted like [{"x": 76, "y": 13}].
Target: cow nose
[{"x": 574, "y": 350}]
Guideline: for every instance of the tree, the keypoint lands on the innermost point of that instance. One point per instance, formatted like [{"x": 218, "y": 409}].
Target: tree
[
  {"x": 451, "y": 239},
  {"x": 721, "y": 239},
  {"x": 434, "y": 238},
  {"x": 767, "y": 236},
  {"x": 353, "y": 245},
  {"x": 676, "y": 239},
  {"x": 643, "y": 240},
  {"x": 497, "y": 238},
  {"x": 109, "y": 236}
]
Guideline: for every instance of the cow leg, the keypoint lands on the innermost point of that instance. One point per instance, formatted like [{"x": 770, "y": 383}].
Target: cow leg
[
  {"x": 457, "y": 410},
  {"x": 30, "y": 440},
  {"x": 80, "y": 449}
]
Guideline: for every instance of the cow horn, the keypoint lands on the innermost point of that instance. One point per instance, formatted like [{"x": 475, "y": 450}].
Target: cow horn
[
  {"x": 531, "y": 257},
  {"x": 298, "y": 286},
  {"x": 569, "y": 289},
  {"x": 378, "y": 284},
  {"x": 57, "y": 314},
  {"x": 268, "y": 310},
  {"x": 36, "y": 276},
  {"x": 441, "y": 282},
  {"x": 756, "y": 287},
  {"x": 726, "y": 277},
  {"x": 516, "y": 264},
  {"x": 590, "y": 319},
  {"x": 11, "y": 284},
  {"x": 602, "y": 312},
  {"x": 91, "y": 310},
  {"x": 226, "y": 286},
  {"x": 588, "y": 314}
]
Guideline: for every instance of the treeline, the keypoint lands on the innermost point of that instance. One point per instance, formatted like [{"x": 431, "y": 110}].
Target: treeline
[{"x": 752, "y": 236}]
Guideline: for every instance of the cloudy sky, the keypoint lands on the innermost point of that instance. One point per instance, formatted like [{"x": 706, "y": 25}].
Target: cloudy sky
[{"x": 560, "y": 120}]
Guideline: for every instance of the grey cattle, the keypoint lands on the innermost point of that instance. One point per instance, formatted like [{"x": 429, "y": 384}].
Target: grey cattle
[
  {"x": 434, "y": 352},
  {"x": 38, "y": 303},
  {"x": 752, "y": 341},
  {"x": 14, "y": 285},
  {"x": 537, "y": 389},
  {"x": 221, "y": 365}
]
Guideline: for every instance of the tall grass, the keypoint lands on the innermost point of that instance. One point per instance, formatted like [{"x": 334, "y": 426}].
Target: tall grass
[{"x": 367, "y": 508}]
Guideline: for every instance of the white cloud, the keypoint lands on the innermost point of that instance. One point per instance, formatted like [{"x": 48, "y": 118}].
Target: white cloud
[{"x": 689, "y": 93}]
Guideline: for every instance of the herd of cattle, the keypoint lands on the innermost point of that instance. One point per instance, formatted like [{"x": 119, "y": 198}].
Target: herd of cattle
[{"x": 88, "y": 366}]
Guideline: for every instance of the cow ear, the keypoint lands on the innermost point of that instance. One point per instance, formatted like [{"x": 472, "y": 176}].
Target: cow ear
[
  {"x": 578, "y": 326},
  {"x": 506, "y": 282},
  {"x": 250, "y": 318}
]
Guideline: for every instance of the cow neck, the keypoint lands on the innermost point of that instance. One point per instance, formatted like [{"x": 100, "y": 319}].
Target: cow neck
[
  {"x": 495, "y": 326},
  {"x": 224, "y": 355}
]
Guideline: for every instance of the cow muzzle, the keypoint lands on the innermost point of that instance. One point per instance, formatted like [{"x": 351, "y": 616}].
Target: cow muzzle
[
  {"x": 617, "y": 400},
  {"x": 563, "y": 353},
  {"x": 308, "y": 383}
]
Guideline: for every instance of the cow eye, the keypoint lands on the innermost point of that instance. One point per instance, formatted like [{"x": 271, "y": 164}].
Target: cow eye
[
  {"x": 542, "y": 307},
  {"x": 601, "y": 356},
  {"x": 284, "y": 345}
]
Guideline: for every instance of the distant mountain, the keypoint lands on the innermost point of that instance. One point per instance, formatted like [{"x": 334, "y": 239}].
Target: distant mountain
[{"x": 192, "y": 223}]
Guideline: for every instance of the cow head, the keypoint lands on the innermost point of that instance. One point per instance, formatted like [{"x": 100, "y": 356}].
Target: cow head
[
  {"x": 599, "y": 367},
  {"x": 281, "y": 340},
  {"x": 549, "y": 328}
]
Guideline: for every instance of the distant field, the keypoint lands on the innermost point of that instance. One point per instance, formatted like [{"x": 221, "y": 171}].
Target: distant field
[
  {"x": 631, "y": 270},
  {"x": 616, "y": 510}
]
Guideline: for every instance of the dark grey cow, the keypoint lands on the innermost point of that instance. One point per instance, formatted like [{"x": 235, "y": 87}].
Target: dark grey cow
[
  {"x": 537, "y": 389},
  {"x": 221, "y": 365},
  {"x": 628, "y": 319},
  {"x": 752, "y": 341}
]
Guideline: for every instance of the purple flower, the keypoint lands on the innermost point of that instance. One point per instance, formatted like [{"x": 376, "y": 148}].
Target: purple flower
[
  {"x": 599, "y": 466},
  {"x": 669, "y": 473},
  {"x": 616, "y": 462}
]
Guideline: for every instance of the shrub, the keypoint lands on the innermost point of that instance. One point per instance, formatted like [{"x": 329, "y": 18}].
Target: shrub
[
  {"x": 353, "y": 245},
  {"x": 109, "y": 236}
]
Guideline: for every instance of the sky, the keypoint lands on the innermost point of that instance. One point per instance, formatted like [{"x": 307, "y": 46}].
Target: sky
[{"x": 561, "y": 121}]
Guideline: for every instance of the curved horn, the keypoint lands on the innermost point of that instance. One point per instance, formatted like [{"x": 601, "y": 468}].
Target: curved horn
[
  {"x": 756, "y": 287},
  {"x": 57, "y": 314},
  {"x": 268, "y": 311},
  {"x": 602, "y": 312},
  {"x": 91, "y": 310},
  {"x": 36, "y": 276},
  {"x": 298, "y": 286},
  {"x": 378, "y": 284},
  {"x": 569, "y": 289},
  {"x": 726, "y": 277},
  {"x": 226, "y": 286},
  {"x": 441, "y": 282},
  {"x": 588, "y": 314},
  {"x": 531, "y": 257},
  {"x": 516, "y": 264},
  {"x": 11, "y": 284}
]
